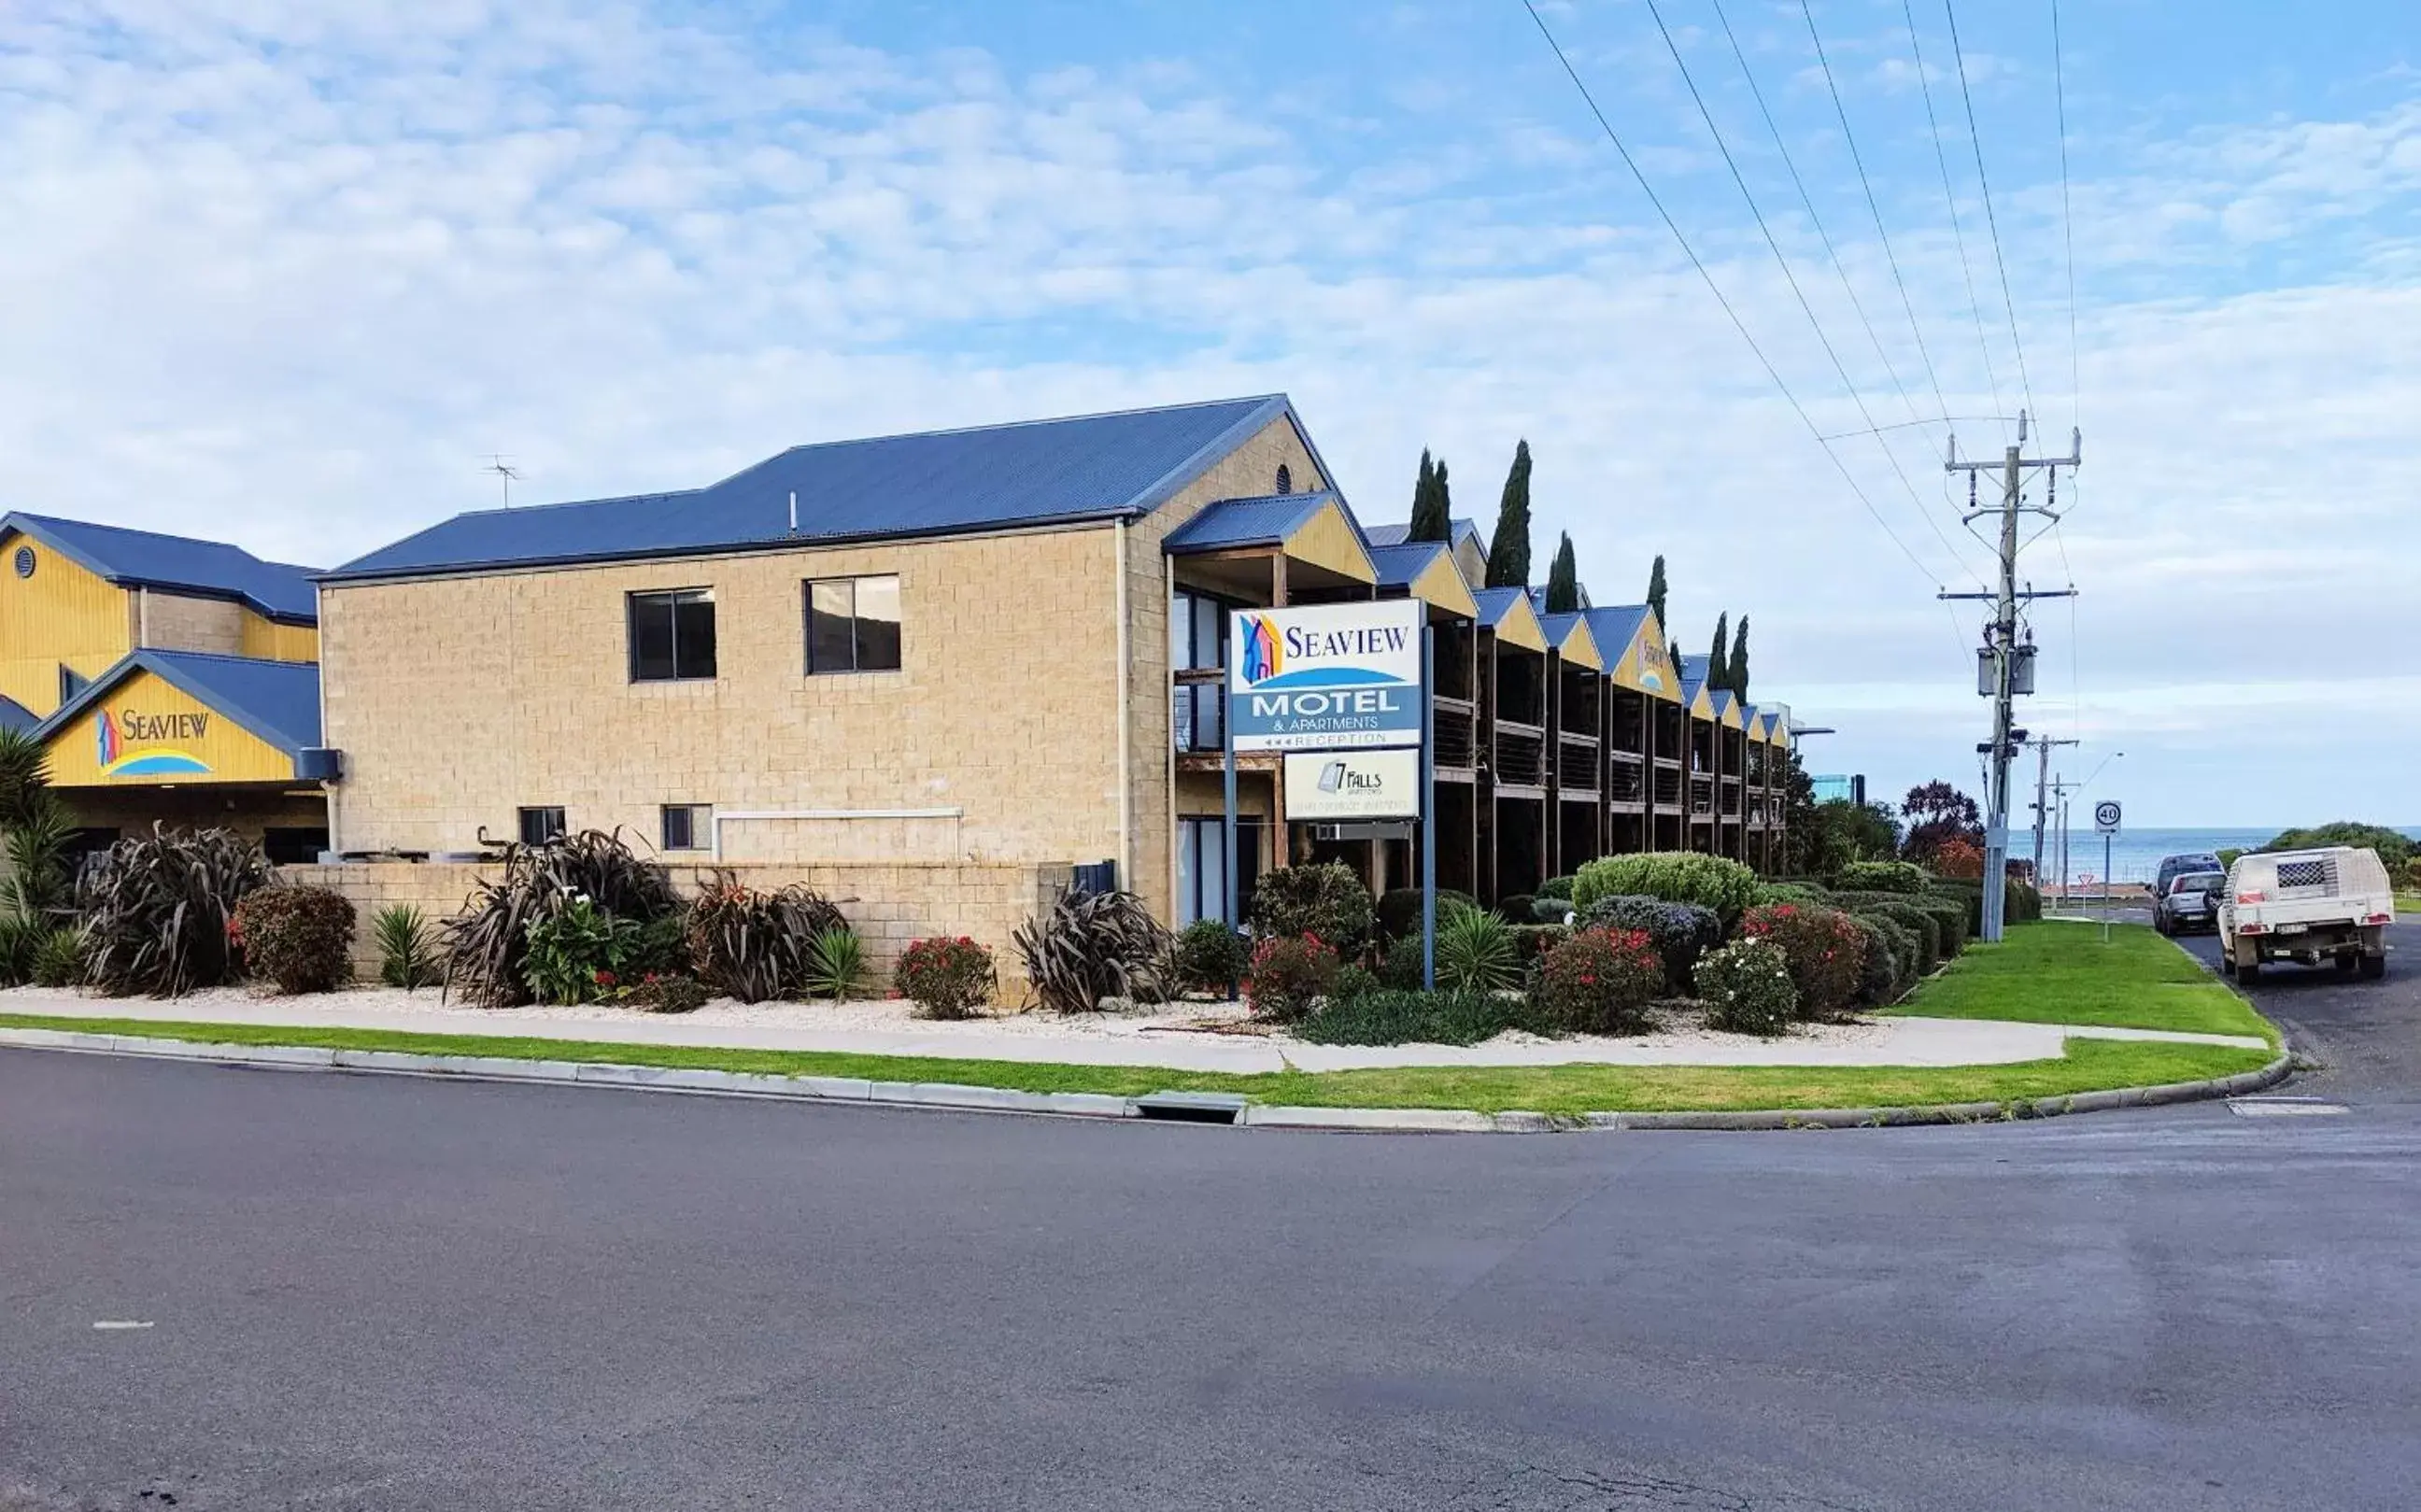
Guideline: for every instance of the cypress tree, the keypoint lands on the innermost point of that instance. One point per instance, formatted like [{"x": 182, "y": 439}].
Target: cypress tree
[
  {"x": 1424, "y": 501},
  {"x": 1656, "y": 594},
  {"x": 1563, "y": 580},
  {"x": 1509, "y": 551},
  {"x": 1719, "y": 662},
  {"x": 1740, "y": 660}
]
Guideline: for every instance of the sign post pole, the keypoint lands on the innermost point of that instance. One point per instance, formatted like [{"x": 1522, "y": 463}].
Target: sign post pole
[
  {"x": 2106, "y": 818},
  {"x": 1428, "y": 811},
  {"x": 1227, "y": 818}
]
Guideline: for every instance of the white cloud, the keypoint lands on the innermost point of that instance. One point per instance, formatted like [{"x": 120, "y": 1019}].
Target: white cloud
[{"x": 291, "y": 271}]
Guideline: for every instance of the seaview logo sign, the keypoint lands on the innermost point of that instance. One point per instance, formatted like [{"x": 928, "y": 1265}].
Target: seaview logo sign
[{"x": 1330, "y": 677}]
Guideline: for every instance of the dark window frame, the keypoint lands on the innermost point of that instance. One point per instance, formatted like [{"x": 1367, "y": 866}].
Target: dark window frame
[
  {"x": 858, "y": 637},
  {"x": 551, "y": 829},
  {"x": 71, "y": 683},
  {"x": 674, "y": 600},
  {"x": 1286, "y": 478},
  {"x": 698, "y": 818}
]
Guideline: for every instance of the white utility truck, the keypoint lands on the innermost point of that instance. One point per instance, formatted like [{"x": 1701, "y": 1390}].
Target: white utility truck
[{"x": 2316, "y": 906}]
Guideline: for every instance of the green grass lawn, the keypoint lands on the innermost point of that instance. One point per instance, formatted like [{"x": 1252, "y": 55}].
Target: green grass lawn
[
  {"x": 2066, "y": 974},
  {"x": 2088, "y": 1066},
  {"x": 2408, "y": 902}
]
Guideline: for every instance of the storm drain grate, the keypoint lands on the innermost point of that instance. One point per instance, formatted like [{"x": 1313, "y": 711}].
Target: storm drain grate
[
  {"x": 1192, "y": 1107},
  {"x": 2285, "y": 1107}
]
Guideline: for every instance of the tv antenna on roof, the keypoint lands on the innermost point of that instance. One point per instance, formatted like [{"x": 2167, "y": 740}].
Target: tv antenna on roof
[{"x": 505, "y": 472}]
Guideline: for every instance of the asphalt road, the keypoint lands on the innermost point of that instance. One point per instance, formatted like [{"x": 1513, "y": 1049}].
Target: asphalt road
[
  {"x": 2363, "y": 1038},
  {"x": 389, "y": 1293}
]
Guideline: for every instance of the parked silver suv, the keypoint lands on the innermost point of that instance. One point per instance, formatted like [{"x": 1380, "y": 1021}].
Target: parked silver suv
[{"x": 2191, "y": 902}]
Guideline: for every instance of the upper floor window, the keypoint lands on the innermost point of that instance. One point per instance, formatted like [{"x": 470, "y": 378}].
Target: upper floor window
[
  {"x": 672, "y": 636},
  {"x": 853, "y": 625},
  {"x": 71, "y": 682},
  {"x": 1286, "y": 478},
  {"x": 1197, "y": 632}
]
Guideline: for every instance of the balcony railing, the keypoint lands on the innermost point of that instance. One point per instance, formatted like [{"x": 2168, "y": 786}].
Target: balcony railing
[
  {"x": 1702, "y": 796},
  {"x": 1520, "y": 758},
  {"x": 1576, "y": 765},
  {"x": 1455, "y": 728},
  {"x": 1668, "y": 785},
  {"x": 1629, "y": 781},
  {"x": 1199, "y": 712}
]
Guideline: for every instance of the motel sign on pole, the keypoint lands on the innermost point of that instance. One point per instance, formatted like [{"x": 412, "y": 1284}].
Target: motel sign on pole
[{"x": 1338, "y": 678}]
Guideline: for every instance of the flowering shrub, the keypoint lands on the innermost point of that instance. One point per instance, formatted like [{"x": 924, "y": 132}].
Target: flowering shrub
[
  {"x": 1287, "y": 973},
  {"x": 946, "y": 977},
  {"x": 1681, "y": 932},
  {"x": 1596, "y": 982},
  {"x": 1825, "y": 948},
  {"x": 663, "y": 992},
  {"x": 580, "y": 954},
  {"x": 1746, "y": 986},
  {"x": 1956, "y": 857}
]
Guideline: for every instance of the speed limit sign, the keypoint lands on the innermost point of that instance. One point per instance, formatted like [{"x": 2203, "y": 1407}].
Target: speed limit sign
[{"x": 2105, "y": 816}]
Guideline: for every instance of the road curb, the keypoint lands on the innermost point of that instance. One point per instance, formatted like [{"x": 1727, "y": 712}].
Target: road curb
[{"x": 964, "y": 1099}]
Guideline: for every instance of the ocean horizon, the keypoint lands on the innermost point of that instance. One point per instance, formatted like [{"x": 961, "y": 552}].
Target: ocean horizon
[{"x": 2135, "y": 855}]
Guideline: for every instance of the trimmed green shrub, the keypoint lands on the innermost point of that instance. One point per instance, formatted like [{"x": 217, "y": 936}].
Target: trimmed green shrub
[
  {"x": 1680, "y": 933},
  {"x": 1399, "y": 969},
  {"x": 1211, "y": 957},
  {"x": 407, "y": 948},
  {"x": 1792, "y": 893},
  {"x": 1746, "y": 986},
  {"x": 1879, "y": 973},
  {"x": 1328, "y": 900},
  {"x": 298, "y": 939},
  {"x": 59, "y": 958},
  {"x": 1400, "y": 910},
  {"x": 1908, "y": 952},
  {"x": 1352, "y": 981},
  {"x": 1883, "y": 877},
  {"x": 1531, "y": 942},
  {"x": 1825, "y": 948},
  {"x": 580, "y": 955},
  {"x": 1680, "y": 877},
  {"x": 1393, "y": 1016},
  {"x": 1559, "y": 887},
  {"x": 837, "y": 964},
  {"x": 1088, "y": 946},
  {"x": 1599, "y": 981},
  {"x": 1921, "y": 918},
  {"x": 947, "y": 977},
  {"x": 2025, "y": 903},
  {"x": 1476, "y": 952},
  {"x": 1289, "y": 974},
  {"x": 1518, "y": 908},
  {"x": 156, "y": 907}
]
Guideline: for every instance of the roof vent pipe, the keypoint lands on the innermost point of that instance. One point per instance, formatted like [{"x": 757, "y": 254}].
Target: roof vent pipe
[{"x": 794, "y": 511}]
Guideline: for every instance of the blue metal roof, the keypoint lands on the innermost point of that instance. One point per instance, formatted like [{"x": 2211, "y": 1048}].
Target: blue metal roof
[
  {"x": 15, "y": 717},
  {"x": 1226, "y": 524},
  {"x": 1559, "y": 628},
  {"x": 1396, "y": 535},
  {"x": 279, "y": 701},
  {"x": 1615, "y": 626},
  {"x": 932, "y": 483},
  {"x": 144, "y": 558},
  {"x": 1495, "y": 603},
  {"x": 1400, "y": 564}
]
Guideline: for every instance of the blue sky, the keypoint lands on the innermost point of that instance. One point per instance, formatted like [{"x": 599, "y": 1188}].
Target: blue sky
[{"x": 285, "y": 273}]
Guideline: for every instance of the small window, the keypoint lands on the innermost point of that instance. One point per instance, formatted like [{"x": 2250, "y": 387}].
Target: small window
[
  {"x": 71, "y": 682},
  {"x": 852, "y": 625},
  {"x": 672, "y": 636},
  {"x": 24, "y": 561},
  {"x": 1286, "y": 478},
  {"x": 539, "y": 825},
  {"x": 688, "y": 826}
]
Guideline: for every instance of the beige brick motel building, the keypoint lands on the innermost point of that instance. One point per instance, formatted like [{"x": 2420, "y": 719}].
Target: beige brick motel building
[{"x": 933, "y": 672}]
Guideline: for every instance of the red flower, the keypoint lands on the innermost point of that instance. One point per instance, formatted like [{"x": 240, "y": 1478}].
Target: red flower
[{"x": 604, "y": 979}]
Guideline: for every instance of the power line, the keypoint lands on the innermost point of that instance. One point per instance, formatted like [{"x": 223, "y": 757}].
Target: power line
[
  {"x": 1670, "y": 224},
  {"x": 1950, "y": 198},
  {"x": 2067, "y": 221},
  {"x": 1772, "y": 245},
  {"x": 1874, "y": 209},
  {"x": 1975, "y": 140}
]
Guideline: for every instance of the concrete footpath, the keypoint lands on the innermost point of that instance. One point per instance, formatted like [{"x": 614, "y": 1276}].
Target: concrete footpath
[{"x": 1885, "y": 1041}]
